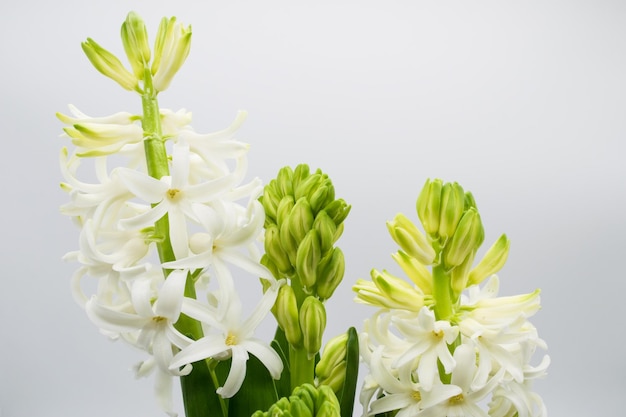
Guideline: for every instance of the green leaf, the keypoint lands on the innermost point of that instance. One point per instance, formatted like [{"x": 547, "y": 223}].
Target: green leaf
[
  {"x": 347, "y": 395},
  {"x": 257, "y": 392},
  {"x": 281, "y": 346},
  {"x": 199, "y": 395}
]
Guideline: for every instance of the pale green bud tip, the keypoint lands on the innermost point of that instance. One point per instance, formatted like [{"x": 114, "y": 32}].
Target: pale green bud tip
[
  {"x": 334, "y": 354},
  {"x": 411, "y": 239},
  {"x": 492, "y": 262},
  {"x": 109, "y": 65},
  {"x": 136, "y": 45},
  {"x": 330, "y": 273},
  {"x": 468, "y": 237},
  {"x": 312, "y": 324},
  {"x": 452, "y": 207},
  {"x": 308, "y": 257},
  {"x": 287, "y": 315},
  {"x": 428, "y": 206},
  {"x": 171, "y": 49}
]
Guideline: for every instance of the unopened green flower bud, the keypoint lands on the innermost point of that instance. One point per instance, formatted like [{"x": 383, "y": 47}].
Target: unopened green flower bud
[
  {"x": 270, "y": 201},
  {"x": 171, "y": 48},
  {"x": 469, "y": 201},
  {"x": 307, "y": 259},
  {"x": 284, "y": 181},
  {"x": 326, "y": 230},
  {"x": 327, "y": 404},
  {"x": 298, "y": 408},
  {"x": 288, "y": 242},
  {"x": 467, "y": 238},
  {"x": 334, "y": 353},
  {"x": 415, "y": 270},
  {"x": 285, "y": 206},
  {"x": 308, "y": 186},
  {"x": 330, "y": 273},
  {"x": 312, "y": 324},
  {"x": 300, "y": 173},
  {"x": 460, "y": 274},
  {"x": 492, "y": 262},
  {"x": 411, "y": 239},
  {"x": 308, "y": 395},
  {"x": 338, "y": 210},
  {"x": 336, "y": 378},
  {"x": 108, "y": 64},
  {"x": 322, "y": 196},
  {"x": 287, "y": 315},
  {"x": 275, "y": 251},
  {"x": 397, "y": 289},
  {"x": 451, "y": 210},
  {"x": 428, "y": 206},
  {"x": 300, "y": 219},
  {"x": 136, "y": 46}
]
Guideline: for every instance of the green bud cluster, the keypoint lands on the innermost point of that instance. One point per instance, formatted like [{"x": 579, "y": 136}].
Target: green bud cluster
[
  {"x": 305, "y": 401},
  {"x": 171, "y": 48},
  {"x": 303, "y": 220}
]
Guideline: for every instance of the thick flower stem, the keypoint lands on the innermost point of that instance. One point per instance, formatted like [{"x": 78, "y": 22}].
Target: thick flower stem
[
  {"x": 302, "y": 368},
  {"x": 442, "y": 293},
  {"x": 157, "y": 166}
]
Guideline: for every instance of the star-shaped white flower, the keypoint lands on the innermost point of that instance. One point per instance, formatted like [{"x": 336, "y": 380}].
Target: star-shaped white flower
[
  {"x": 172, "y": 195},
  {"x": 233, "y": 339}
]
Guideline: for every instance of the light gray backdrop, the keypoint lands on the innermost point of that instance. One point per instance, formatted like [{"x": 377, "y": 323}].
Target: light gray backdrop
[{"x": 522, "y": 102}]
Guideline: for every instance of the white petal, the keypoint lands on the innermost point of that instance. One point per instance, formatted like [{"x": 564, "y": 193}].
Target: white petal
[
  {"x": 143, "y": 186},
  {"x": 237, "y": 373},
  {"x": 171, "y": 295},
  {"x": 266, "y": 355},
  {"x": 200, "y": 349}
]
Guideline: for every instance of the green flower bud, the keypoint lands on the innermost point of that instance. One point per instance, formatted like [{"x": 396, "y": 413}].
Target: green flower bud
[
  {"x": 397, "y": 289},
  {"x": 308, "y": 186},
  {"x": 312, "y": 324},
  {"x": 467, "y": 238},
  {"x": 270, "y": 201},
  {"x": 326, "y": 230},
  {"x": 469, "y": 201},
  {"x": 452, "y": 207},
  {"x": 460, "y": 274},
  {"x": 300, "y": 173},
  {"x": 284, "y": 181},
  {"x": 308, "y": 395},
  {"x": 327, "y": 404},
  {"x": 307, "y": 259},
  {"x": 330, "y": 273},
  {"x": 136, "y": 46},
  {"x": 336, "y": 378},
  {"x": 288, "y": 242},
  {"x": 285, "y": 206},
  {"x": 171, "y": 48},
  {"x": 334, "y": 354},
  {"x": 411, "y": 239},
  {"x": 492, "y": 262},
  {"x": 428, "y": 206},
  {"x": 322, "y": 196},
  {"x": 416, "y": 272},
  {"x": 108, "y": 64},
  {"x": 338, "y": 210},
  {"x": 298, "y": 408},
  {"x": 287, "y": 315},
  {"x": 300, "y": 219},
  {"x": 275, "y": 251}
]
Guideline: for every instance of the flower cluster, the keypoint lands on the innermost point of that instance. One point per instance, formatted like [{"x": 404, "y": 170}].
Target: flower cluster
[
  {"x": 445, "y": 344},
  {"x": 166, "y": 217}
]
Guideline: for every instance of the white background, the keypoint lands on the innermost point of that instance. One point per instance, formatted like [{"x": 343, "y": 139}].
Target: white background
[{"x": 521, "y": 102}]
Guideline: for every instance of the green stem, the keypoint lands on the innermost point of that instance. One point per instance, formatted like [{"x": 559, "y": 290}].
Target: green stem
[
  {"x": 442, "y": 293},
  {"x": 157, "y": 165},
  {"x": 302, "y": 368}
]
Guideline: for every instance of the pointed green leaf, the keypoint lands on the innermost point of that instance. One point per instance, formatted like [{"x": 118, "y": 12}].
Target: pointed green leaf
[
  {"x": 199, "y": 395},
  {"x": 347, "y": 395},
  {"x": 257, "y": 392}
]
